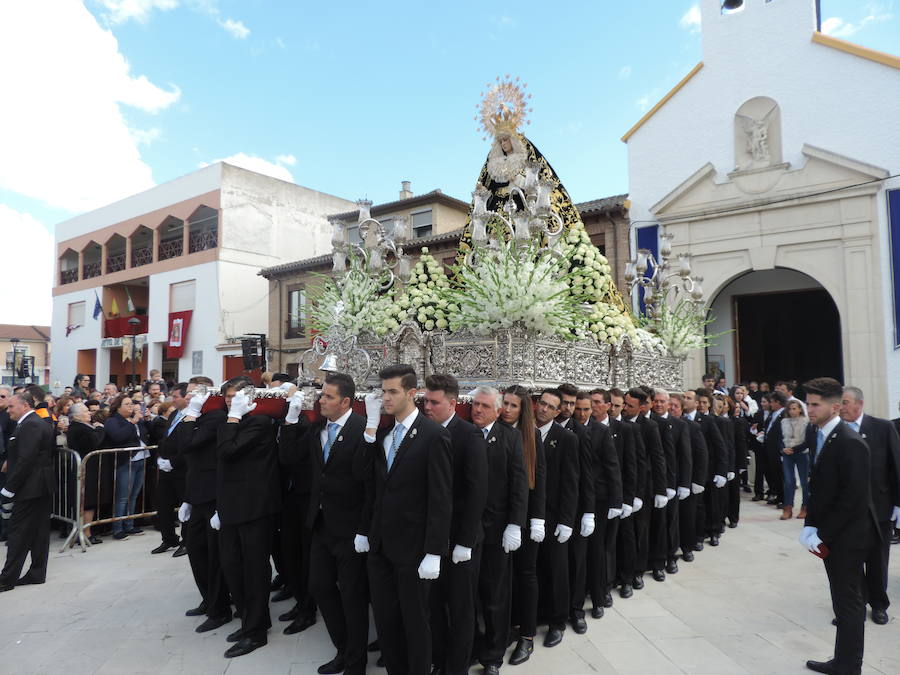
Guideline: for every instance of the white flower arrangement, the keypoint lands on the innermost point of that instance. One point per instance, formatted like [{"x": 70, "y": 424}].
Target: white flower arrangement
[
  {"x": 354, "y": 305},
  {"x": 681, "y": 328},
  {"x": 421, "y": 300}
]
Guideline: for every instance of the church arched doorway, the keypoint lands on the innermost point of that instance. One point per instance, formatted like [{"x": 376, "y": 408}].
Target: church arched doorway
[{"x": 782, "y": 325}]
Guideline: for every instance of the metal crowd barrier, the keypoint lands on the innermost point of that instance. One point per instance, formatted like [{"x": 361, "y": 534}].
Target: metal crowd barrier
[{"x": 103, "y": 489}]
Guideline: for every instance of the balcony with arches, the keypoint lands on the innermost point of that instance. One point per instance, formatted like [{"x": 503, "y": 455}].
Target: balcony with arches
[
  {"x": 171, "y": 238},
  {"x": 68, "y": 267},
  {"x": 115, "y": 254},
  {"x": 92, "y": 260},
  {"x": 141, "y": 246},
  {"x": 203, "y": 229}
]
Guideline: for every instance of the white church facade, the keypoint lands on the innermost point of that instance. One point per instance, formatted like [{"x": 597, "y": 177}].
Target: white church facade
[{"x": 775, "y": 162}]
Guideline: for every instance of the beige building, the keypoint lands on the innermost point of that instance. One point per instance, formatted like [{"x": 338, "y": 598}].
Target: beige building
[{"x": 27, "y": 351}]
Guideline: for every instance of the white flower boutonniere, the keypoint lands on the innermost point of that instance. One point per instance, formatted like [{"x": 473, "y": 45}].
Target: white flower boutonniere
[
  {"x": 553, "y": 443},
  {"x": 412, "y": 434},
  {"x": 340, "y": 438},
  {"x": 492, "y": 439}
]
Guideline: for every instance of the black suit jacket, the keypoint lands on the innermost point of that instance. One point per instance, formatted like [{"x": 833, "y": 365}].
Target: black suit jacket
[
  {"x": 413, "y": 502},
  {"x": 470, "y": 480},
  {"x": 717, "y": 455},
  {"x": 681, "y": 436},
  {"x": 655, "y": 459},
  {"x": 30, "y": 459},
  {"x": 170, "y": 443},
  {"x": 741, "y": 442},
  {"x": 641, "y": 461},
  {"x": 726, "y": 430},
  {"x": 197, "y": 443},
  {"x": 884, "y": 447},
  {"x": 840, "y": 492},
  {"x": 507, "y": 500},
  {"x": 248, "y": 486},
  {"x": 561, "y": 451},
  {"x": 774, "y": 439},
  {"x": 605, "y": 468},
  {"x": 699, "y": 452},
  {"x": 623, "y": 438},
  {"x": 667, "y": 436}
]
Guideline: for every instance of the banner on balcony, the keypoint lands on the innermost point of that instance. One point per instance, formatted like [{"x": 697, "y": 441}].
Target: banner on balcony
[{"x": 178, "y": 330}]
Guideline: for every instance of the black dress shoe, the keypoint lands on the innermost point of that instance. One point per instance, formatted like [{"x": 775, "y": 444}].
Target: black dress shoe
[
  {"x": 94, "y": 539},
  {"x": 380, "y": 664},
  {"x": 827, "y": 667},
  {"x": 336, "y": 665},
  {"x": 659, "y": 575},
  {"x": 625, "y": 591},
  {"x": 492, "y": 670},
  {"x": 291, "y": 614},
  {"x": 638, "y": 582},
  {"x": 300, "y": 624},
  {"x": 698, "y": 546},
  {"x": 672, "y": 567},
  {"x": 374, "y": 646},
  {"x": 713, "y": 541},
  {"x": 895, "y": 538},
  {"x": 773, "y": 502},
  {"x": 879, "y": 616},
  {"x": 757, "y": 498},
  {"x": 180, "y": 551},
  {"x": 28, "y": 581},
  {"x": 163, "y": 547},
  {"x": 119, "y": 536},
  {"x": 277, "y": 583},
  {"x": 607, "y": 599},
  {"x": 235, "y": 636},
  {"x": 597, "y": 612},
  {"x": 553, "y": 638},
  {"x": 6, "y": 587},
  {"x": 579, "y": 625},
  {"x": 437, "y": 670},
  {"x": 834, "y": 622},
  {"x": 522, "y": 652},
  {"x": 213, "y": 623},
  {"x": 197, "y": 611},
  {"x": 688, "y": 556},
  {"x": 134, "y": 532},
  {"x": 245, "y": 646},
  {"x": 282, "y": 595},
  {"x": 732, "y": 525}
]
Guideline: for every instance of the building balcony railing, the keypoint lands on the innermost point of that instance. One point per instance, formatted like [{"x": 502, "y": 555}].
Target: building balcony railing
[
  {"x": 202, "y": 241},
  {"x": 68, "y": 276},
  {"x": 91, "y": 270},
  {"x": 171, "y": 248},
  {"x": 141, "y": 256},
  {"x": 115, "y": 263}
]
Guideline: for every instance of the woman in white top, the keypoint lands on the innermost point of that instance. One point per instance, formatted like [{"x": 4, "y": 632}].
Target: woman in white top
[{"x": 794, "y": 457}]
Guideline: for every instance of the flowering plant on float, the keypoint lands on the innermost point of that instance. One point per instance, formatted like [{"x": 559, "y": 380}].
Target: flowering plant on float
[
  {"x": 420, "y": 300},
  {"x": 681, "y": 328},
  {"x": 354, "y": 304}
]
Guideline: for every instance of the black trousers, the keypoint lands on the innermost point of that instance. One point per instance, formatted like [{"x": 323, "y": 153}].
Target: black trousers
[
  {"x": 245, "y": 551},
  {"x": 577, "y": 564},
  {"x": 295, "y": 540},
  {"x": 556, "y": 571},
  {"x": 658, "y": 537},
  {"x": 400, "y": 606},
  {"x": 759, "y": 476},
  {"x": 525, "y": 585},
  {"x": 612, "y": 549},
  {"x": 642, "y": 536},
  {"x": 169, "y": 496},
  {"x": 626, "y": 551},
  {"x": 710, "y": 524},
  {"x": 338, "y": 582},
  {"x": 202, "y": 543},
  {"x": 673, "y": 529},
  {"x": 28, "y": 531},
  {"x": 733, "y": 499},
  {"x": 687, "y": 521},
  {"x": 598, "y": 557},
  {"x": 877, "y": 558},
  {"x": 453, "y": 613},
  {"x": 847, "y": 581},
  {"x": 775, "y": 473},
  {"x": 494, "y": 591}
]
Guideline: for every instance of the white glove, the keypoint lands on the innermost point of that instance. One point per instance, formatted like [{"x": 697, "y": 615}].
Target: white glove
[
  {"x": 683, "y": 493},
  {"x": 697, "y": 489},
  {"x": 373, "y": 410},
  {"x": 587, "y": 525},
  {"x": 537, "y": 530},
  {"x": 184, "y": 512},
  {"x": 729, "y": 475},
  {"x": 461, "y": 554},
  {"x": 638, "y": 505},
  {"x": 896, "y": 516},
  {"x": 719, "y": 481},
  {"x": 562, "y": 533},
  {"x": 6, "y": 510},
  {"x": 163, "y": 464},
  {"x": 627, "y": 510},
  {"x": 240, "y": 405},
  {"x": 809, "y": 537},
  {"x": 670, "y": 494},
  {"x": 195, "y": 405},
  {"x": 214, "y": 522},
  {"x": 613, "y": 513},
  {"x": 287, "y": 386},
  {"x": 6, "y": 493},
  {"x": 294, "y": 408},
  {"x": 430, "y": 567},
  {"x": 660, "y": 501},
  {"x": 512, "y": 538},
  {"x": 361, "y": 543}
]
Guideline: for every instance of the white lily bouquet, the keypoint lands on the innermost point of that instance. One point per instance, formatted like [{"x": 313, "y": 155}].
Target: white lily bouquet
[
  {"x": 421, "y": 299},
  {"x": 354, "y": 304},
  {"x": 682, "y": 328}
]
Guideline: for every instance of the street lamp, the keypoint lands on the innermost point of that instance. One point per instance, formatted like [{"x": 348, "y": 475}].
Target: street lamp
[
  {"x": 134, "y": 322},
  {"x": 15, "y": 349}
]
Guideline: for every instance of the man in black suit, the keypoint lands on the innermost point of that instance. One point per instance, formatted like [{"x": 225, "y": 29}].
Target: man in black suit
[
  {"x": 635, "y": 457},
  {"x": 504, "y": 516},
  {"x": 453, "y": 597},
  {"x": 679, "y": 473},
  {"x": 248, "y": 499},
  {"x": 410, "y": 529},
  {"x": 566, "y": 415},
  {"x": 695, "y": 403},
  {"x": 758, "y": 446},
  {"x": 29, "y": 486},
  {"x": 338, "y": 515},
  {"x": 679, "y": 407},
  {"x": 840, "y": 522},
  {"x": 172, "y": 471},
  {"x": 884, "y": 452},
  {"x": 197, "y": 438},
  {"x": 773, "y": 444}
]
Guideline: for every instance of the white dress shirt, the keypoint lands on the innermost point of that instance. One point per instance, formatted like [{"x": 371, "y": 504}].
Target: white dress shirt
[
  {"x": 447, "y": 421},
  {"x": 407, "y": 423},
  {"x": 545, "y": 430},
  {"x": 340, "y": 421},
  {"x": 691, "y": 415}
]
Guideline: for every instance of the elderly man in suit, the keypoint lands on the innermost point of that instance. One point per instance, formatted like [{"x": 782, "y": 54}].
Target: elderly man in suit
[
  {"x": 840, "y": 523},
  {"x": 884, "y": 448},
  {"x": 29, "y": 487},
  {"x": 410, "y": 528}
]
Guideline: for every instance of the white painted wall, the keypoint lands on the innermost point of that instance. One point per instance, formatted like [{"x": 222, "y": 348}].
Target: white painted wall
[{"x": 65, "y": 349}]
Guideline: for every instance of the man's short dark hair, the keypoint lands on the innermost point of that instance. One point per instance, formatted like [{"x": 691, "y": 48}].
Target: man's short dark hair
[
  {"x": 567, "y": 389},
  {"x": 406, "y": 373},
  {"x": 281, "y": 377},
  {"x": 582, "y": 394},
  {"x": 443, "y": 382},
  {"x": 37, "y": 393},
  {"x": 710, "y": 376},
  {"x": 778, "y": 398},
  {"x": 238, "y": 382},
  {"x": 344, "y": 383},
  {"x": 618, "y": 393},
  {"x": 703, "y": 392},
  {"x": 557, "y": 392},
  {"x": 791, "y": 385},
  {"x": 26, "y": 397},
  {"x": 181, "y": 388},
  {"x": 602, "y": 392},
  {"x": 827, "y": 387},
  {"x": 202, "y": 379},
  {"x": 678, "y": 397},
  {"x": 650, "y": 391},
  {"x": 639, "y": 394},
  {"x": 92, "y": 403}
]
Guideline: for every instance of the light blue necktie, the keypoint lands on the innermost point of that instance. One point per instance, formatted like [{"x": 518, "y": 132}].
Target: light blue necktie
[
  {"x": 396, "y": 437},
  {"x": 485, "y": 431},
  {"x": 175, "y": 422},
  {"x": 820, "y": 441},
  {"x": 854, "y": 426},
  {"x": 332, "y": 432}
]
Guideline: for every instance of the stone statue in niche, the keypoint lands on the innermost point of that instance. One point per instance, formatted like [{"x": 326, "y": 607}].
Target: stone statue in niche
[{"x": 757, "y": 134}]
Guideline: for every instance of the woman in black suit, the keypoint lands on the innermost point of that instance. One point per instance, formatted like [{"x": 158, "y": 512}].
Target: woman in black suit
[
  {"x": 125, "y": 428},
  {"x": 84, "y": 437}
]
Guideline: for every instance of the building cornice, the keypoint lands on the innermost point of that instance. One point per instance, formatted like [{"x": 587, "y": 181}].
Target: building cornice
[
  {"x": 857, "y": 50},
  {"x": 665, "y": 99}
]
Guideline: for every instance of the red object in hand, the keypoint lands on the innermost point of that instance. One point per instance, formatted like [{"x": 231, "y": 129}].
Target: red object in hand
[{"x": 822, "y": 552}]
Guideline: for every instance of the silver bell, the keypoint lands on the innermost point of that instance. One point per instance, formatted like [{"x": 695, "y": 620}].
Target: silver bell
[{"x": 330, "y": 363}]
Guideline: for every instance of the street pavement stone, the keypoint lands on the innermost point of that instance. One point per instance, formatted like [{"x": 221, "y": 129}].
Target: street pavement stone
[{"x": 759, "y": 603}]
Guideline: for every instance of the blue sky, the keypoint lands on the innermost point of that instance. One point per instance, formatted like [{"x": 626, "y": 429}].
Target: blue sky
[{"x": 345, "y": 97}]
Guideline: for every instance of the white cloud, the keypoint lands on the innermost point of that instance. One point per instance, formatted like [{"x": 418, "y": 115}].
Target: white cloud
[
  {"x": 236, "y": 28},
  {"x": 624, "y": 72},
  {"x": 145, "y": 136},
  {"x": 67, "y": 142},
  {"x": 290, "y": 160},
  {"x": 838, "y": 27},
  {"x": 257, "y": 164},
  {"x": 32, "y": 259},
  {"x": 120, "y": 11},
  {"x": 643, "y": 103},
  {"x": 690, "y": 20}
]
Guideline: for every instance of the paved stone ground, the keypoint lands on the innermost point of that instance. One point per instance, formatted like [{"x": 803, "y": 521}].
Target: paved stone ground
[{"x": 758, "y": 603}]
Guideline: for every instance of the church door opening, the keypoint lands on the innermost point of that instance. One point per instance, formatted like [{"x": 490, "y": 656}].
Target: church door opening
[{"x": 787, "y": 335}]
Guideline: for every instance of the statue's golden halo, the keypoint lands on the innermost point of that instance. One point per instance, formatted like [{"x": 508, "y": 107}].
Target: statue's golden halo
[{"x": 503, "y": 107}]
